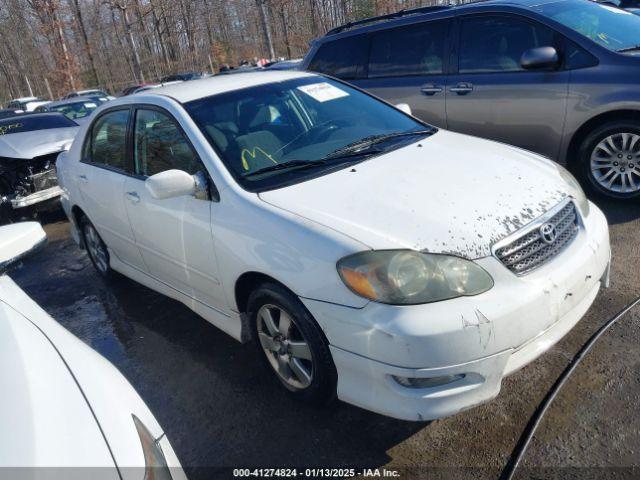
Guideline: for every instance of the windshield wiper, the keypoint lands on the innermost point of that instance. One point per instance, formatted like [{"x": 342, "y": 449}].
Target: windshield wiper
[
  {"x": 629, "y": 49},
  {"x": 297, "y": 164},
  {"x": 363, "y": 146}
]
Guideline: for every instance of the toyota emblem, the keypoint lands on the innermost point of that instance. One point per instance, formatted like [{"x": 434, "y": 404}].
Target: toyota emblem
[{"x": 548, "y": 233}]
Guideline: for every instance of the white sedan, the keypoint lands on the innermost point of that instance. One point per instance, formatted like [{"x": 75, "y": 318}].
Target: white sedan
[
  {"x": 63, "y": 406},
  {"x": 404, "y": 268}
]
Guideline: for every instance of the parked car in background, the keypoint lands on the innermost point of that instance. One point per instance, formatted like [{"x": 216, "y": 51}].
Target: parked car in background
[
  {"x": 26, "y": 104},
  {"x": 556, "y": 77},
  {"x": 64, "y": 406},
  {"x": 10, "y": 112},
  {"x": 285, "y": 65},
  {"x": 77, "y": 109},
  {"x": 184, "y": 76},
  {"x": 150, "y": 86},
  {"x": 333, "y": 230},
  {"x": 132, "y": 88},
  {"x": 91, "y": 92},
  {"x": 29, "y": 146},
  {"x": 631, "y": 5}
]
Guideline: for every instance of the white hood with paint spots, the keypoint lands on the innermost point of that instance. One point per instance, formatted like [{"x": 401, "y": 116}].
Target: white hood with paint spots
[{"x": 448, "y": 193}]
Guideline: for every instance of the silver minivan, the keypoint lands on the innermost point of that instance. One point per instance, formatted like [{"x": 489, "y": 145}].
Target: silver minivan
[{"x": 558, "y": 77}]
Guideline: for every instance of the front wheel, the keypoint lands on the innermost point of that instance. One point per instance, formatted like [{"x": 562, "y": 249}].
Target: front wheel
[
  {"x": 610, "y": 160},
  {"x": 292, "y": 344}
]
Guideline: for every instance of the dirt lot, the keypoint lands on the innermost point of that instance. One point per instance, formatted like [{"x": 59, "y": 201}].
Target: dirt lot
[{"x": 220, "y": 408}]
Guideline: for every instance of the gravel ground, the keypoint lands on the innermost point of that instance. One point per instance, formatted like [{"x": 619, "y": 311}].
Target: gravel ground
[{"x": 220, "y": 410}]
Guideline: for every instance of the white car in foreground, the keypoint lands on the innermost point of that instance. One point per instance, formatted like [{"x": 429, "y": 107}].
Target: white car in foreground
[
  {"x": 405, "y": 268},
  {"x": 63, "y": 406}
]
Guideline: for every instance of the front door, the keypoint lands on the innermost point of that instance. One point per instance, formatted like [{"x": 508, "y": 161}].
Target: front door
[
  {"x": 493, "y": 97},
  {"x": 102, "y": 173},
  {"x": 408, "y": 65},
  {"x": 174, "y": 235}
]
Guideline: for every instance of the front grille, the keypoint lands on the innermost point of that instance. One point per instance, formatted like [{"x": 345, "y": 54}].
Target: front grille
[
  {"x": 44, "y": 180},
  {"x": 530, "y": 251}
]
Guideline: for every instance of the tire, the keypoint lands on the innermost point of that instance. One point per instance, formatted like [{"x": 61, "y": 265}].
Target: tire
[
  {"x": 308, "y": 374},
  {"x": 609, "y": 160},
  {"x": 96, "y": 249}
]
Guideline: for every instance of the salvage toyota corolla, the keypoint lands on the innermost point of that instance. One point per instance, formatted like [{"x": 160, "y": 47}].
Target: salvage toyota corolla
[{"x": 404, "y": 268}]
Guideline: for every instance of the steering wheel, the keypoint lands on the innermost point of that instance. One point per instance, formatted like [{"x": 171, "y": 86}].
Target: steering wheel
[{"x": 316, "y": 133}]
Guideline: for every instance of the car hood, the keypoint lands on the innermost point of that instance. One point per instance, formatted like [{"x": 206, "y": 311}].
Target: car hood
[
  {"x": 448, "y": 193},
  {"x": 27, "y": 145},
  {"x": 46, "y": 421}
]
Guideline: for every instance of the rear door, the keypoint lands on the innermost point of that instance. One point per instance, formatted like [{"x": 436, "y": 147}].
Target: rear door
[
  {"x": 101, "y": 175},
  {"x": 408, "y": 64},
  {"x": 492, "y": 96}
]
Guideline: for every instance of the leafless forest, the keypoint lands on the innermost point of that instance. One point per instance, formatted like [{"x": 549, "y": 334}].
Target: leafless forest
[{"x": 49, "y": 47}]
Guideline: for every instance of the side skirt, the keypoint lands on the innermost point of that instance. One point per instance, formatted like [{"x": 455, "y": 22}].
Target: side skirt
[{"x": 230, "y": 324}]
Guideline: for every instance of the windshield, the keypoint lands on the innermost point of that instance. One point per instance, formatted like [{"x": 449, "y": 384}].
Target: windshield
[
  {"x": 606, "y": 25},
  {"x": 305, "y": 123},
  {"x": 30, "y": 123},
  {"x": 75, "y": 110}
]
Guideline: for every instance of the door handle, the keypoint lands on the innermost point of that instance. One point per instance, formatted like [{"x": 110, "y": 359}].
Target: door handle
[
  {"x": 430, "y": 89},
  {"x": 133, "y": 197},
  {"x": 83, "y": 178},
  {"x": 462, "y": 88}
]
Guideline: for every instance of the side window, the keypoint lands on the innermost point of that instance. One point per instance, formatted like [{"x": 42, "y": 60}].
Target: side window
[
  {"x": 160, "y": 145},
  {"x": 108, "y": 145},
  {"x": 415, "y": 50},
  {"x": 496, "y": 44},
  {"x": 344, "y": 58}
]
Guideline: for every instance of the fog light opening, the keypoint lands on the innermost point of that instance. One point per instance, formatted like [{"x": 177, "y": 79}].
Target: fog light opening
[{"x": 429, "y": 382}]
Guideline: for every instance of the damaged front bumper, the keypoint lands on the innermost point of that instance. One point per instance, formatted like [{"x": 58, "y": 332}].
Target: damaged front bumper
[
  {"x": 462, "y": 348},
  {"x": 35, "y": 198}
]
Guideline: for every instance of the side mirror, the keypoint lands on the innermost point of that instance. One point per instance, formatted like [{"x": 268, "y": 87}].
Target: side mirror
[
  {"x": 540, "y": 58},
  {"x": 19, "y": 240},
  {"x": 404, "y": 107},
  {"x": 170, "y": 184}
]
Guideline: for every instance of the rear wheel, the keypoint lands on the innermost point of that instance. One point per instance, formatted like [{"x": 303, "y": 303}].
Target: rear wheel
[
  {"x": 292, "y": 344},
  {"x": 96, "y": 248},
  {"x": 610, "y": 160}
]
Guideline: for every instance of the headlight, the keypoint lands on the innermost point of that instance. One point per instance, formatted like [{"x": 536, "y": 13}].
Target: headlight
[
  {"x": 406, "y": 277},
  {"x": 155, "y": 465},
  {"x": 576, "y": 190}
]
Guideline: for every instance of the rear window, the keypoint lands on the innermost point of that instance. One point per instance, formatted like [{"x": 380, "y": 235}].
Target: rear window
[
  {"x": 344, "y": 58},
  {"x": 415, "y": 50},
  {"x": 30, "y": 123}
]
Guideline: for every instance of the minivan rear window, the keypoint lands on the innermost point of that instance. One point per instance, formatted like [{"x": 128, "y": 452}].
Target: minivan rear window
[
  {"x": 344, "y": 58},
  {"x": 415, "y": 50}
]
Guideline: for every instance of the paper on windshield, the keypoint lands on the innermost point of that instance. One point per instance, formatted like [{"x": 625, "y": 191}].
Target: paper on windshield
[{"x": 323, "y": 92}]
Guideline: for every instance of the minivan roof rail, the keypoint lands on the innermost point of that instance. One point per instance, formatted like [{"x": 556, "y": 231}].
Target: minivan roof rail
[{"x": 388, "y": 16}]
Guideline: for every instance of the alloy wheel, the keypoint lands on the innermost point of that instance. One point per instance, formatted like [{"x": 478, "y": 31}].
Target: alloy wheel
[
  {"x": 97, "y": 250},
  {"x": 286, "y": 348},
  {"x": 615, "y": 163}
]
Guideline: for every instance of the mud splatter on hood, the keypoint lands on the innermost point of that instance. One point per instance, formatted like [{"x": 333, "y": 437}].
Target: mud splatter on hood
[{"x": 449, "y": 193}]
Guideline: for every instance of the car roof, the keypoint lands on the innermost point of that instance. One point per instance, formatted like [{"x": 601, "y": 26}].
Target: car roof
[
  {"x": 195, "y": 89},
  {"x": 423, "y": 13},
  {"x": 26, "y": 99},
  {"x": 78, "y": 99}
]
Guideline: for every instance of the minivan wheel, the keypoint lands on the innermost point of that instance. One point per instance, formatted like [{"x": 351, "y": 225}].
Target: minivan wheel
[
  {"x": 610, "y": 160},
  {"x": 96, "y": 248},
  {"x": 292, "y": 344}
]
